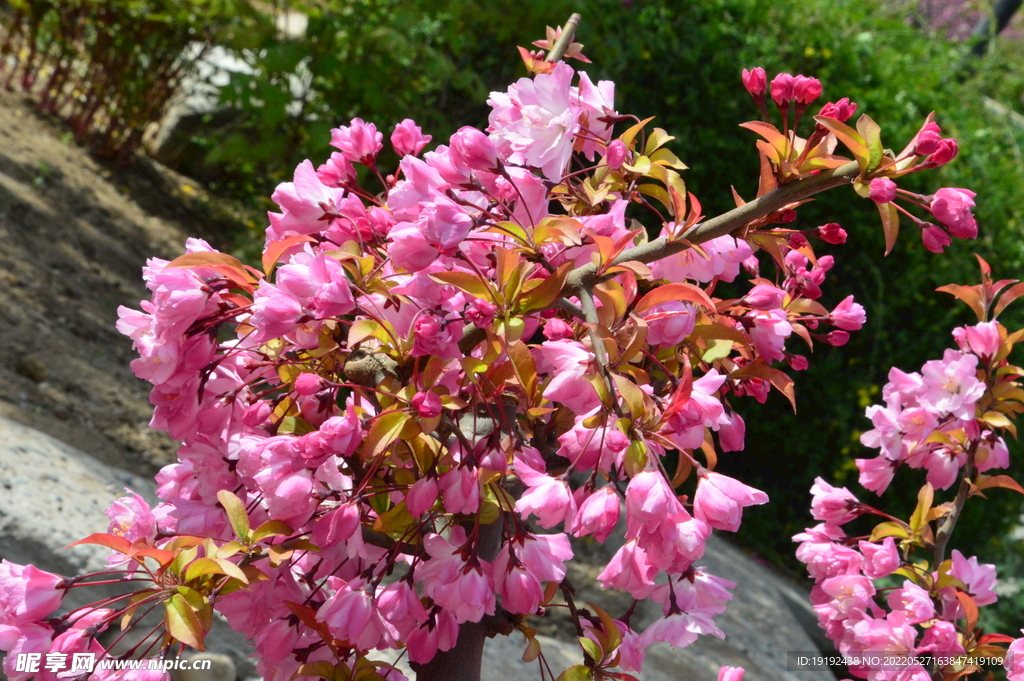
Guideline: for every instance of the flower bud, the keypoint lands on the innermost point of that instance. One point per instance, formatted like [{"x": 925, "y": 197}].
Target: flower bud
[
  {"x": 832, "y": 233},
  {"x": 616, "y": 154},
  {"x": 797, "y": 240},
  {"x": 806, "y": 90},
  {"x": 935, "y": 239},
  {"x": 256, "y": 414},
  {"x": 841, "y": 111},
  {"x": 945, "y": 153},
  {"x": 836, "y": 338},
  {"x": 765, "y": 297},
  {"x": 882, "y": 190},
  {"x": 408, "y": 138},
  {"x": 756, "y": 83},
  {"x": 475, "y": 150},
  {"x": 952, "y": 207},
  {"x": 481, "y": 313},
  {"x": 927, "y": 140},
  {"x": 308, "y": 384},
  {"x": 797, "y": 362},
  {"x": 782, "y": 90},
  {"x": 427, "y": 405}
]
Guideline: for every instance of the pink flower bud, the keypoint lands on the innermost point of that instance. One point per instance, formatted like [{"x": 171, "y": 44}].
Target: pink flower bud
[
  {"x": 927, "y": 140},
  {"x": 731, "y": 435},
  {"x": 256, "y": 414},
  {"x": 806, "y": 90},
  {"x": 765, "y": 297},
  {"x": 837, "y": 338},
  {"x": 337, "y": 172},
  {"x": 616, "y": 154},
  {"x": 945, "y": 153},
  {"x": 720, "y": 500},
  {"x": 308, "y": 384},
  {"x": 556, "y": 329},
  {"x": 408, "y": 138},
  {"x": 473, "y": 149},
  {"x": 882, "y": 190},
  {"x": 782, "y": 90},
  {"x": 841, "y": 111},
  {"x": 756, "y": 83},
  {"x": 421, "y": 496},
  {"x": 832, "y": 233},
  {"x": 359, "y": 142},
  {"x": 797, "y": 240},
  {"x": 598, "y": 514},
  {"x": 848, "y": 315},
  {"x": 427, "y": 405},
  {"x": 935, "y": 238},
  {"x": 982, "y": 339},
  {"x": 797, "y": 362},
  {"x": 952, "y": 207},
  {"x": 826, "y": 262},
  {"x": 27, "y": 594}
]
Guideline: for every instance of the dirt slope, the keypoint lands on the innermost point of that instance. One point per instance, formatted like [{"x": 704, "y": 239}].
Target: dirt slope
[{"x": 73, "y": 238}]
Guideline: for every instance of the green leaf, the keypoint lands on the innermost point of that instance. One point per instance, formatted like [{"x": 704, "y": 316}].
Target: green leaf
[
  {"x": 888, "y": 529},
  {"x": 465, "y": 281},
  {"x": 182, "y": 622},
  {"x": 872, "y": 135},
  {"x": 850, "y": 138},
  {"x": 383, "y": 432},
  {"x": 591, "y": 648},
  {"x": 576, "y": 673},
  {"x": 271, "y": 528},
  {"x": 236, "y": 513},
  {"x": 890, "y": 224},
  {"x": 924, "y": 504},
  {"x": 203, "y": 566}
]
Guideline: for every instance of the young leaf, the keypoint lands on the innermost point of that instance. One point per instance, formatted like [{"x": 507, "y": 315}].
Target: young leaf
[
  {"x": 890, "y": 224},
  {"x": 236, "y": 513},
  {"x": 182, "y": 622}
]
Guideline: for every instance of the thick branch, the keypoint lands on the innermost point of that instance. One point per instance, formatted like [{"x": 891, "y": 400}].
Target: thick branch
[{"x": 725, "y": 223}]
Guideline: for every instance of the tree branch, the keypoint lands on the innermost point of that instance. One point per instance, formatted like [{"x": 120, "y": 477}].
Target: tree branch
[
  {"x": 726, "y": 223},
  {"x": 564, "y": 40},
  {"x": 948, "y": 523}
]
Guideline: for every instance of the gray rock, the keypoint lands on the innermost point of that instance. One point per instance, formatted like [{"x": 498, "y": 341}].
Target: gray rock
[{"x": 51, "y": 495}]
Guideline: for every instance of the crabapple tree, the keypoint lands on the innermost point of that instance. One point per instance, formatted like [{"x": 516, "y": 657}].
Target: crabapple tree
[{"x": 443, "y": 371}]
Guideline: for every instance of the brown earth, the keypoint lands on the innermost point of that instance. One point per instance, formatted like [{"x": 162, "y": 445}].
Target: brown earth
[{"x": 74, "y": 235}]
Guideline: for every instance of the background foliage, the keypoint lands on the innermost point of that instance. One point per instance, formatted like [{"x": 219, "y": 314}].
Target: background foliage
[{"x": 436, "y": 60}]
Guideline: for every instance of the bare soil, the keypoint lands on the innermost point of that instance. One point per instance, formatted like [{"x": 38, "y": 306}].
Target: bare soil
[{"x": 74, "y": 235}]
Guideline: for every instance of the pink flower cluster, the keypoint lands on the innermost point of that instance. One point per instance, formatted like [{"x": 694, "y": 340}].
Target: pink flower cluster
[{"x": 922, "y": 407}]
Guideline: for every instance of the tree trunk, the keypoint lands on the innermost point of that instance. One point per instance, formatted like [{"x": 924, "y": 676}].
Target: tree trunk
[{"x": 463, "y": 662}]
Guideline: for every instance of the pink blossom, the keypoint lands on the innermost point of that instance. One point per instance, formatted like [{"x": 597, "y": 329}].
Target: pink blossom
[
  {"x": 595, "y": 447},
  {"x": 732, "y": 433},
  {"x": 769, "y": 333},
  {"x": 597, "y": 515},
  {"x": 437, "y": 634},
  {"x": 913, "y": 601},
  {"x": 629, "y": 570},
  {"x": 980, "y": 579},
  {"x": 849, "y": 315},
  {"x": 880, "y": 560},
  {"x": 950, "y": 384},
  {"x": 131, "y": 518},
  {"x": 568, "y": 362},
  {"x": 756, "y": 83},
  {"x": 851, "y": 596},
  {"x": 336, "y": 526},
  {"x": 433, "y": 336},
  {"x": 834, "y": 505},
  {"x": 679, "y": 630},
  {"x": 992, "y": 453},
  {"x": 401, "y": 607},
  {"x": 408, "y": 138},
  {"x": 935, "y": 239},
  {"x": 473, "y": 149},
  {"x": 982, "y": 339},
  {"x": 731, "y": 674},
  {"x": 941, "y": 637},
  {"x": 1014, "y": 660},
  {"x": 337, "y": 172},
  {"x": 547, "y": 498},
  {"x": 27, "y": 594},
  {"x": 596, "y": 102},
  {"x": 720, "y": 500},
  {"x": 669, "y": 323},
  {"x": 876, "y": 474},
  {"x": 460, "y": 488},
  {"x": 421, "y": 496},
  {"x": 946, "y": 152},
  {"x": 352, "y": 616},
  {"x": 534, "y": 122},
  {"x": 481, "y": 313},
  {"x": 882, "y": 190},
  {"x": 765, "y": 297},
  {"x": 359, "y": 141},
  {"x": 952, "y": 207}
]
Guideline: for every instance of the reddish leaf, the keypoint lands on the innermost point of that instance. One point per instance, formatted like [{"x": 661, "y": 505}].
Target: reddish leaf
[
  {"x": 1004, "y": 481},
  {"x": 968, "y": 294},
  {"x": 669, "y": 292},
  {"x": 995, "y": 638},
  {"x": 890, "y": 224},
  {"x": 276, "y": 249},
  {"x": 119, "y": 544},
  {"x": 1012, "y": 294},
  {"x": 970, "y": 608}
]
